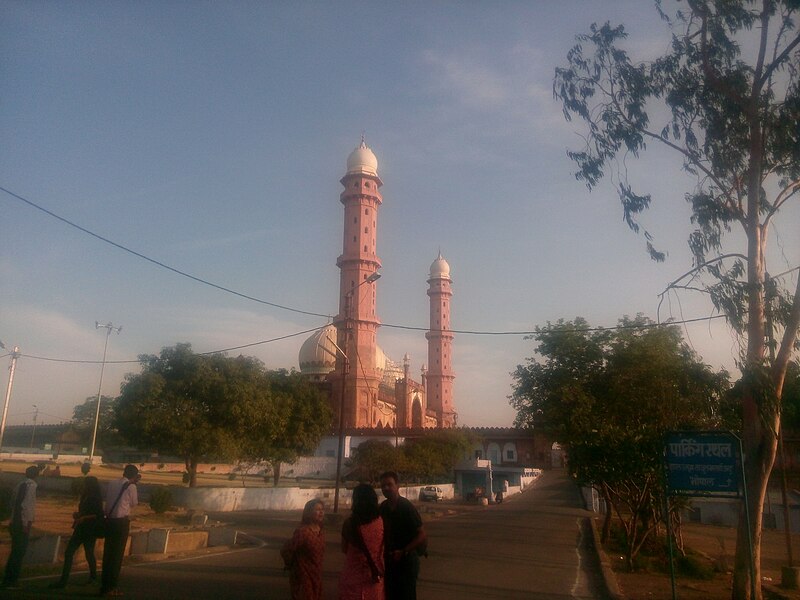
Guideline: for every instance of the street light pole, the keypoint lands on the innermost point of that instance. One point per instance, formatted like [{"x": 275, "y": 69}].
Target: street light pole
[
  {"x": 35, "y": 418},
  {"x": 14, "y": 356},
  {"x": 345, "y": 371},
  {"x": 109, "y": 328}
]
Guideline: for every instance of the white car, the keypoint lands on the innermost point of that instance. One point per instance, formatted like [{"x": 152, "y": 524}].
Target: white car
[{"x": 431, "y": 492}]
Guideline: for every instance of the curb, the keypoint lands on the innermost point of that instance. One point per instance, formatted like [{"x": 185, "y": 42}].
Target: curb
[{"x": 609, "y": 579}]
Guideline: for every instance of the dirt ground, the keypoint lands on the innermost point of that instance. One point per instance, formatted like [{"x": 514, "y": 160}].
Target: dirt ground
[{"x": 719, "y": 545}]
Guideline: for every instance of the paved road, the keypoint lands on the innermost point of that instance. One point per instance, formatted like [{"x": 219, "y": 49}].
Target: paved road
[{"x": 531, "y": 546}]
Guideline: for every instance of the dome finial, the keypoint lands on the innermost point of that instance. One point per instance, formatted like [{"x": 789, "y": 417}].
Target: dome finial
[{"x": 363, "y": 139}]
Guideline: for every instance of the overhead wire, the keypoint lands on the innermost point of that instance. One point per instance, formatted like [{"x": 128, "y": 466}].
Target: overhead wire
[
  {"x": 157, "y": 262},
  {"x": 305, "y": 312}
]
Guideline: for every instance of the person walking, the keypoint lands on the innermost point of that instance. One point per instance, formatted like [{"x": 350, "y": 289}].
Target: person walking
[
  {"x": 89, "y": 515},
  {"x": 304, "y": 552},
  {"x": 121, "y": 497},
  {"x": 403, "y": 538},
  {"x": 23, "y": 513},
  {"x": 362, "y": 543}
]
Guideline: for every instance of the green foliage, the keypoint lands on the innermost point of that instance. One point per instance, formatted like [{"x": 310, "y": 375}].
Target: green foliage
[
  {"x": 725, "y": 100},
  {"x": 299, "y": 415},
  {"x": 83, "y": 416},
  {"x": 428, "y": 459},
  {"x": 609, "y": 397},
  {"x": 193, "y": 405},
  {"x": 373, "y": 457},
  {"x": 161, "y": 499}
]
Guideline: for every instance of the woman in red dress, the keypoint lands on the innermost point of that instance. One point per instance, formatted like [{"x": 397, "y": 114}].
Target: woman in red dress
[
  {"x": 304, "y": 552},
  {"x": 362, "y": 543}
]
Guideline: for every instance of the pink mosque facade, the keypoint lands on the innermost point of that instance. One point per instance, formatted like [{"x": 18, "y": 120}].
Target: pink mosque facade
[{"x": 344, "y": 357}]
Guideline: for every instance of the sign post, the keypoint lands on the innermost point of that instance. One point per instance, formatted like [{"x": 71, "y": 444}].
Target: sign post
[{"x": 707, "y": 464}]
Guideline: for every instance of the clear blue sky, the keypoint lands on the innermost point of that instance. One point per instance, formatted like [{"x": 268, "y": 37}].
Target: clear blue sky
[{"x": 211, "y": 137}]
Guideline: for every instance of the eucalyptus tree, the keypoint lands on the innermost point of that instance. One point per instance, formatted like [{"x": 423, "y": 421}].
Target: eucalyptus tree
[{"x": 725, "y": 99}]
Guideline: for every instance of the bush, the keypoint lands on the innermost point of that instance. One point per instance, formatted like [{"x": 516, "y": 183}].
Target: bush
[
  {"x": 161, "y": 500},
  {"x": 695, "y": 567},
  {"x": 186, "y": 478},
  {"x": 231, "y": 476}
]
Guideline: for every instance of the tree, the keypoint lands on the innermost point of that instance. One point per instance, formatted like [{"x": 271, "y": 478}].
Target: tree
[
  {"x": 192, "y": 405},
  {"x": 83, "y": 416},
  {"x": 733, "y": 123},
  {"x": 433, "y": 456},
  {"x": 300, "y": 416},
  {"x": 374, "y": 457},
  {"x": 610, "y": 396}
]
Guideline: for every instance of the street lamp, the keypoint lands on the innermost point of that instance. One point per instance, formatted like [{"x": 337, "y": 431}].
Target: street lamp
[
  {"x": 109, "y": 328},
  {"x": 12, "y": 368},
  {"x": 345, "y": 370}
]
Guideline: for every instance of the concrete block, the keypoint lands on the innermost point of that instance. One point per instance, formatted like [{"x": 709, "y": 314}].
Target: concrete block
[
  {"x": 198, "y": 520},
  {"x": 157, "y": 541},
  {"x": 184, "y": 541},
  {"x": 222, "y": 536},
  {"x": 42, "y": 550},
  {"x": 139, "y": 542}
]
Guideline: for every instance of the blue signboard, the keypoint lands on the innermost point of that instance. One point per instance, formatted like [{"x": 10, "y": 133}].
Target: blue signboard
[{"x": 702, "y": 463}]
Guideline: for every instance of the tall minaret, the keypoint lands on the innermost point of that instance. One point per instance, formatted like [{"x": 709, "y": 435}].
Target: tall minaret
[
  {"x": 440, "y": 375},
  {"x": 356, "y": 322}
]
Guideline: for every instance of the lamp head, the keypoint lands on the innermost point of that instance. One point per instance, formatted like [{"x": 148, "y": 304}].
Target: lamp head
[{"x": 373, "y": 278}]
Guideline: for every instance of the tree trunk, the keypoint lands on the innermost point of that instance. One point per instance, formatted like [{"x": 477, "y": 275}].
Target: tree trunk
[
  {"x": 191, "y": 469},
  {"x": 276, "y": 472},
  {"x": 607, "y": 517}
]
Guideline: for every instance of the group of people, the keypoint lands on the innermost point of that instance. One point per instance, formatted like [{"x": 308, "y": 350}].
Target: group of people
[
  {"x": 89, "y": 522},
  {"x": 382, "y": 544}
]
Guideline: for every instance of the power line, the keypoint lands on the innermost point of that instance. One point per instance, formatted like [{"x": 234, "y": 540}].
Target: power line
[
  {"x": 122, "y": 362},
  {"x": 291, "y": 335},
  {"x": 159, "y": 263}
]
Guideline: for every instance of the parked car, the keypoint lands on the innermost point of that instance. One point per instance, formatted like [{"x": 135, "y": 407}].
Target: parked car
[{"x": 431, "y": 493}]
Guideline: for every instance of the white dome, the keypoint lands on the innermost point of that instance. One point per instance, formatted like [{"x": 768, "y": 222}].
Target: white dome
[
  {"x": 362, "y": 160},
  {"x": 318, "y": 353},
  {"x": 440, "y": 269}
]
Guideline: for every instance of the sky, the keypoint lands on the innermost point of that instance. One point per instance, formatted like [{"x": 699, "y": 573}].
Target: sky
[{"x": 211, "y": 137}]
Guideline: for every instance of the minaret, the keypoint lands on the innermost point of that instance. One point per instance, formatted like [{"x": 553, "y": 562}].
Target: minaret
[
  {"x": 356, "y": 322},
  {"x": 440, "y": 375}
]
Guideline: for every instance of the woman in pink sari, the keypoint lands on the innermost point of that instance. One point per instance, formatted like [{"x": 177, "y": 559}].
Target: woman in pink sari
[{"x": 362, "y": 543}]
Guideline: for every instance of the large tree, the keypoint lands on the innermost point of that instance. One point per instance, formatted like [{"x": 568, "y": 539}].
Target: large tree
[
  {"x": 725, "y": 98},
  {"x": 610, "y": 396},
  {"x": 300, "y": 416},
  {"x": 193, "y": 405},
  {"x": 83, "y": 417}
]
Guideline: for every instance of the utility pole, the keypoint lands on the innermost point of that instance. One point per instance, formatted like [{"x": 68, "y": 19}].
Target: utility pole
[
  {"x": 109, "y": 328},
  {"x": 14, "y": 357},
  {"x": 35, "y": 417}
]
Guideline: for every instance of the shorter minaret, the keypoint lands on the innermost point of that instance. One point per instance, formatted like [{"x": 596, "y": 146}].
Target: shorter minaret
[{"x": 439, "y": 377}]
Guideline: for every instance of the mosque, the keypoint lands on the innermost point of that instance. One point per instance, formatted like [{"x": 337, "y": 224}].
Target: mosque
[{"x": 344, "y": 357}]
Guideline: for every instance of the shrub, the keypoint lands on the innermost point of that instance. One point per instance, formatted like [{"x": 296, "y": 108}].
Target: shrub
[
  {"x": 231, "y": 476},
  {"x": 161, "y": 500},
  {"x": 694, "y": 566},
  {"x": 185, "y": 478},
  {"x": 160, "y": 466}
]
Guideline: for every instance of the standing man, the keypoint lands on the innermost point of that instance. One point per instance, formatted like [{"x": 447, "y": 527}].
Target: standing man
[
  {"x": 121, "y": 497},
  {"x": 403, "y": 536},
  {"x": 23, "y": 512}
]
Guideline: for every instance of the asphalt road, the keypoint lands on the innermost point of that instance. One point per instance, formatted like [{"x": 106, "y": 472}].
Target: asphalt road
[{"x": 532, "y": 546}]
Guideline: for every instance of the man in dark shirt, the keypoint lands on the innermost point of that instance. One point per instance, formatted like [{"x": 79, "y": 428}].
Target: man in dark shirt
[{"x": 403, "y": 536}]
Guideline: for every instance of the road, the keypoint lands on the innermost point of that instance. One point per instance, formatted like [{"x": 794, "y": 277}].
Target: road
[{"x": 532, "y": 546}]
